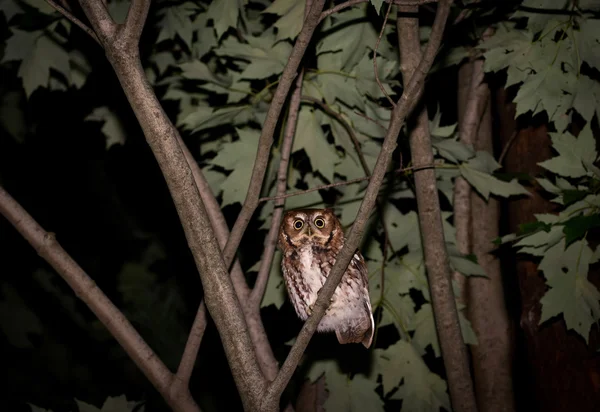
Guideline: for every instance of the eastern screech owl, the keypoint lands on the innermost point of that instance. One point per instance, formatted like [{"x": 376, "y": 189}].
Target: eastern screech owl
[{"x": 310, "y": 240}]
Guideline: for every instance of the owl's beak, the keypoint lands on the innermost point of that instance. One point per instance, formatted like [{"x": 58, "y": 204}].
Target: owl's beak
[{"x": 309, "y": 231}]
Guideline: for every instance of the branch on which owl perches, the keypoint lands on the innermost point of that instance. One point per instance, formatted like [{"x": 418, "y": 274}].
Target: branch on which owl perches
[{"x": 405, "y": 103}]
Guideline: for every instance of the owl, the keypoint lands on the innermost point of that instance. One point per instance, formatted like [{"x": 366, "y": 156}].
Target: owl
[{"x": 310, "y": 240}]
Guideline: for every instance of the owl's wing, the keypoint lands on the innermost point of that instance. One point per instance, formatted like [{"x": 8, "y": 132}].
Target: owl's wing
[{"x": 359, "y": 263}]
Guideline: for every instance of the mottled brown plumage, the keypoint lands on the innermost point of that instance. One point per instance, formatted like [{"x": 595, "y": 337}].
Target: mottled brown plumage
[{"x": 310, "y": 240}]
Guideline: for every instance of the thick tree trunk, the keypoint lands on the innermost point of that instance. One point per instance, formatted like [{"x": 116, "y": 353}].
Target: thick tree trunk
[{"x": 557, "y": 370}]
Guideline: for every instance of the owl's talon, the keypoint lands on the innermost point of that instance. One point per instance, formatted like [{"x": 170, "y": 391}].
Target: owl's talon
[{"x": 309, "y": 310}]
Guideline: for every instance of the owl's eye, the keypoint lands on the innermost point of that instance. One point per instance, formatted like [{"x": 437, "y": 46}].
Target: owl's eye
[
  {"x": 298, "y": 224},
  {"x": 320, "y": 223}
]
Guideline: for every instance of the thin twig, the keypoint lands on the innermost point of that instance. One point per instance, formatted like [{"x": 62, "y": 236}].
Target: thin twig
[
  {"x": 507, "y": 146},
  {"x": 338, "y": 116},
  {"x": 359, "y": 152},
  {"x": 190, "y": 352},
  {"x": 268, "y": 129},
  {"x": 351, "y": 3},
  {"x": 370, "y": 119},
  {"x": 387, "y": 14},
  {"x": 344, "y": 183},
  {"x": 62, "y": 10},
  {"x": 405, "y": 103},
  {"x": 282, "y": 174}
]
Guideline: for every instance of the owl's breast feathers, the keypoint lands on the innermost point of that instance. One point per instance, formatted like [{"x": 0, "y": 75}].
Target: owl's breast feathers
[{"x": 305, "y": 270}]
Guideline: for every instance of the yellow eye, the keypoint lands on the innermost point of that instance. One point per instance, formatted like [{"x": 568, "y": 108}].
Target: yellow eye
[
  {"x": 298, "y": 224},
  {"x": 320, "y": 223}
]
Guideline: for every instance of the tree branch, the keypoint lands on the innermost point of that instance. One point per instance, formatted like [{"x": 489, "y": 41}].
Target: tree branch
[
  {"x": 86, "y": 289},
  {"x": 399, "y": 113},
  {"x": 71, "y": 17},
  {"x": 338, "y": 116},
  {"x": 162, "y": 137},
  {"x": 351, "y": 3},
  {"x": 103, "y": 24},
  {"x": 136, "y": 17},
  {"x": 345, "y": 183},
  {"x": 282, "y": 174},
  {"x": 387, "y": 14},
  {"x": 262, "y": 348},
  {"x": 434, "y": 246},
  {"x": 266, "y": 136},
  {"x": 190, "y": 353}
]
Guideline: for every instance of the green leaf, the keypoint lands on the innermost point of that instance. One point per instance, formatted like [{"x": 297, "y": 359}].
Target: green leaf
[
  {"x": 353, "y": 395},
  {"x": 453, "y": 150},
  {"x": 12, "y": 116},
  {"x": 572, "y": 152},
  {"x": 239, "y": 157},
  {"x": 421, "y": 389},
  {"x": 351, "y": 36},
  {"x": 572, "y": 196},
  {"x": 467, "y": 265},
  {"x": 35, "y": 68},
  {"x": 485, "y": 183},
  {"x": 366, "y": 82},
  {"x": 311, "y": 139},
  {"x": 377, "y": 4},
  {"x": 345, "y": 394},
  {"x": 112, "y": 128},
  {"x": 224, "y": 15},
  {"x": 571, "y": 293},
  {"x": 111, "y": 404},
  {"x": 204, "y": 117},
  {"x": 176, "y": 21},
  {"x": 17, "y": 322},
  {"x": 10, "y": 8},
  {"x": 537, "y": 20},
  {"x": 533, "y": 227},
  {"x": 20, "y": 44},
  {"x": 542, "y": 239},
  {"x": 576, "y": 227},
  {"x": 41, "y": 6},
  {"x": 35, "y": 408},
  {"x": 587, "y": 96},
  {"x": 425, "y": 333},
  {"x": 292, "y": 12},
  {"x": 548, "y": 186},
  {"x": 265, "y": 55},
  {"x": 403, "y": 229},
  {"x": 206, "y": 35},
  {"x": 588, "y": 40}
]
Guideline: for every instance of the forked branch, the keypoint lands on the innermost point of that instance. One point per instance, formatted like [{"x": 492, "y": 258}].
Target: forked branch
[{"x": 405, "y": 103}]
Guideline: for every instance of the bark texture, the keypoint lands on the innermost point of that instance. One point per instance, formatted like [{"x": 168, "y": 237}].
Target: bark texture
[
  {"x": 452, "y": 346},
  {"x": 486, "y": 307}
]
